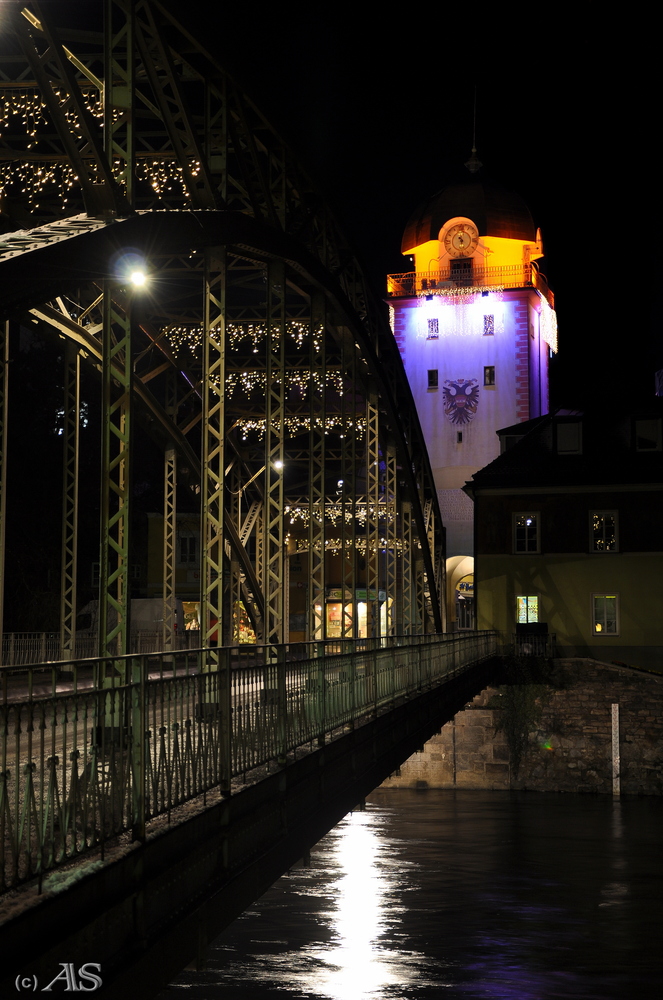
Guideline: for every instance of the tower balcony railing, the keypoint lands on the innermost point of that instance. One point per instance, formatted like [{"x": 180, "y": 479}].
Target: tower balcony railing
[{"x": 447, "y": 280}]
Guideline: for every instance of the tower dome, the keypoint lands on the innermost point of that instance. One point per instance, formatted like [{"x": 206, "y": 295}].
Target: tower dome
[{"x": 495, "y": 210}]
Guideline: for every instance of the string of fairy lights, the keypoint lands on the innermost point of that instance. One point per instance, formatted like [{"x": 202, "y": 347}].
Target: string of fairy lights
[
  {"x": 548, "y": 323},
  {"x": 299, "y": 381},
  {"x": 295, "y": 425},
  {"x": 24, "y": 110},
  {"x": 190, "y": 336},
  {"x": 335, "y": 512},
  {"x": 361, "y": 544},
  {"x": 39, "y": 179},
  {"x": 439, "y": 318}
]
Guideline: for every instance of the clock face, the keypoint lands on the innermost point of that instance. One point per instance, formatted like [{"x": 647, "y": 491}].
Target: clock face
[{"x": 461, "y": 240}]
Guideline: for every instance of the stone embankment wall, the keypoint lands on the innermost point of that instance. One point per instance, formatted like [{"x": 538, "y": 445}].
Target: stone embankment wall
[{"x": 569, "y": 749}]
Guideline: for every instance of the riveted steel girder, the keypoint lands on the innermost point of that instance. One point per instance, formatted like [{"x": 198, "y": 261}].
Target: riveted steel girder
[
  {"x": 117, "y": 379},
  {"x": 70, "y": 467},
  {"x": 213, "y": 440},
  {"x": 316, "y": 458},
  {"x": 391, "y": 539},
  {"x": 4, "y": 403},
  {"x": 274, "y": 576},
  {"x": 120, "y": 93}
]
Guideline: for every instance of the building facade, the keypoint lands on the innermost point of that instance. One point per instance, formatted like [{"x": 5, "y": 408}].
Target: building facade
[
  {"x": 569, "y": 537},
  {"x": 475, "y": 324}
]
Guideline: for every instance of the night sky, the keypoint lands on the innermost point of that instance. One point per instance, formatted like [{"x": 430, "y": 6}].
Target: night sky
[{"x": 379, "y": 110}]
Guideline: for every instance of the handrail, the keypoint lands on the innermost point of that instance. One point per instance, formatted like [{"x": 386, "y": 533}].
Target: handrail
[
  {"x": 446, "y": 281},
  {"x": 112, "y": 743}
]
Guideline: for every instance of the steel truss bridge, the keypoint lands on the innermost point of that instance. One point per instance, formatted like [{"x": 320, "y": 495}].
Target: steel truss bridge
[
  {"x": 257, "y": 368},
  {"x": 142, "y": 809},
  {"x": 254, "y": 357}
]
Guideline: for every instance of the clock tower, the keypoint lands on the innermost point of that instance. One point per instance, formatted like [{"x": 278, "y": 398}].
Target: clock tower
[{"x": 475, "y": 324}]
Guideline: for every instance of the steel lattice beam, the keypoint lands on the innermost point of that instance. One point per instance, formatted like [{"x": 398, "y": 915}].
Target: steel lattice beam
[
  {"x": 316, "y": 457},
  {"x": 117, "y": 378},
  {"x": 213, "y": 441},
  {"x": 274, "y": 582},
  {"x": 70, "y": 466},
  {"x": 4, "y": 428}
]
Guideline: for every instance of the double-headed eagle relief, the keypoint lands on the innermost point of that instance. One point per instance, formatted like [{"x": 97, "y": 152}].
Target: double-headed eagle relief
[{"x": 461, "y": 399}]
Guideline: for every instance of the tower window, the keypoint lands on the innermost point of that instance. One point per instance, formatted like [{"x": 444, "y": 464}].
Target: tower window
[
  {"x": 459, "y": 437},
  {"x": 461, "y": 271},
  {"x": 432, "y": 378},
  {"x": 489, "y": 375},
  {"x": 433, "y": 328},
  {"x": 489, "y": 325}
]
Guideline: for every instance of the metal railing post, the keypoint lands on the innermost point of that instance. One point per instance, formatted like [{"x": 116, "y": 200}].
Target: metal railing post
[
  {"x": 282, "y": 708},
  {"x": 224, "y": 679},
  {"x": 137, "y": 746}
]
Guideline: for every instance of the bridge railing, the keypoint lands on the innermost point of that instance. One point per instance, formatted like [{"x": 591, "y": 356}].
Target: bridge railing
[
  {"x": 22, "y": 648},
  {"x": 94, "y": 749}
]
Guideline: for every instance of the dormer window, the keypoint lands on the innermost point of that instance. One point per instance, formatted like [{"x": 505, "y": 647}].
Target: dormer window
[
  {"x": 569, "y": 437},
  {"x": 648, "y": 435}
]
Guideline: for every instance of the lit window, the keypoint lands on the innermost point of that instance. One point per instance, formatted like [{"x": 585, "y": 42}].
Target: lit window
[
  {"x": 489, "y": 325},
  {"x": 603, "y": 530},
  {"x": 489, "y": 375},
  {"x": 605, "y": 614},
  {"x": 527, "y": 609},
  {"x": 432, "y": 378},
  {"x": 433, "y": 328},
  {"x": 526, "y": 532}
]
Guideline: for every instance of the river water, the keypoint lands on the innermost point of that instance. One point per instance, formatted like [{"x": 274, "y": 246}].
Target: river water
[{"x": 468, "y": 894}]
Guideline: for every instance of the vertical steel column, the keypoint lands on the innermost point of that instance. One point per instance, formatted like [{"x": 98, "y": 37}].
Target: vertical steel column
[
  {"x": 4, "y": 401},
  {"x": 169, "y": 520},
  {"x": 234, "y": 506},
  {"x": 372, "y": 513},
  {"x": 273, "y": 576},
  {"x": 260, "y": 548},
  {"x": 433, "y": 585},
  {"x": 421, "y": 585},
  {"x": 117, "y": 375},
  {"x": 70, "y": 443},
  {"x": 349, "y": 507},
  {"x": 407, "y": 616},
  {"x": 317, "y": 498},
  {"x": 391, "y": 542},
  {"x": 169, "y": 545},
  {"x": 119, "y": 91},
  {"x": 212, "y": 622}
]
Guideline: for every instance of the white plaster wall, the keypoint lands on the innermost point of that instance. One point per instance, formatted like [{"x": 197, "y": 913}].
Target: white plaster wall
[{"x": 462, "y": 351}]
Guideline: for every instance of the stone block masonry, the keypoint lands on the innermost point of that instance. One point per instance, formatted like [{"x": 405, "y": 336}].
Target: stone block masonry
[{"x": 570, "y": 750}]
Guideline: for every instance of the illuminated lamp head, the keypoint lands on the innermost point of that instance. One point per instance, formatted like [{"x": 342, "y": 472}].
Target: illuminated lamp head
[{"x": 129, "y": 267}]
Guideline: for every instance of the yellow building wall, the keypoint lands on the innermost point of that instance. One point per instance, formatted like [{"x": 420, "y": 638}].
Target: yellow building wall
[
  {"x": 564, "y": 585},
  {"x": 492, "y": 251}
]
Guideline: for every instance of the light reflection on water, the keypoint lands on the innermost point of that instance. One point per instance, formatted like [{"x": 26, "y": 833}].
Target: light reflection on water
[
  {"x": 357, "y": 966},
  {"x": 468, "y": 894}
]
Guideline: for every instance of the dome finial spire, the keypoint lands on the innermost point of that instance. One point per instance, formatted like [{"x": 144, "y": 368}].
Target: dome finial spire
[{"x": 474, "y": 164}]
